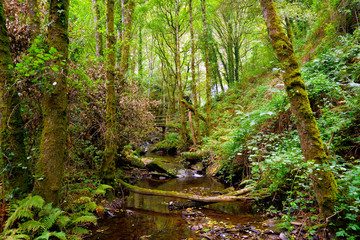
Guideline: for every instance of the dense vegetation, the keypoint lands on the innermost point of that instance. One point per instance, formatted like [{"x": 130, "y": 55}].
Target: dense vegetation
[{"x": 85, "y": 85}]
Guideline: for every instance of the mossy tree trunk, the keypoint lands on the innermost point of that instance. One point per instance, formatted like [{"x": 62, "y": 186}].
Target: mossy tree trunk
[
  {"x": 178, "y": 76},
  {"x": 207, "y": 68},
  {"x": 98, "y": 34},
  {"x": 12, "y": 152},
  {"x": 129, "y": 8},
  {"x": 323, "y": 181},
  {"x": 193, "y": 73},
  {"x": 34, "y": 18},
  {"x": 50, "y": 167},
  {"x": 108, "y": 166}
]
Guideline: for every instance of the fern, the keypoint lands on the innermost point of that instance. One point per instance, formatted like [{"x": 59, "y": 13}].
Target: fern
[
  {"x": 101, "y": 190},
  {"x": 50, "y": 219},
  {"x": 85, "y": 219},
  {"x": 62, "y": 221},
  {"x": 90, "y": 206},
  {"x": 79, "y": 231},
  {"x": 46, "y": 235},
  {"x": 31, "y": 226}
]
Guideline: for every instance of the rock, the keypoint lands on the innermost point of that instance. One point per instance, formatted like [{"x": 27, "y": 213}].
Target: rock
[
  {"x": 283, "y": 236},
  {"x": 162, "y": 166}
]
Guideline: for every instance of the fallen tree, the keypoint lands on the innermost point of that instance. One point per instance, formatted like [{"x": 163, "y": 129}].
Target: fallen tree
[{"x": 231, "y": 197}]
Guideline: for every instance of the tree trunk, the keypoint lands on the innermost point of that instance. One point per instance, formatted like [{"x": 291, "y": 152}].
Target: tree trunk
[
  {"x": 289, "y": 30},
  {"x": 207, "y": 68},
  {"x": 323, "y": 181},
  {"x": 34, "y": 18},
  {"x": 125, "y": 55},
  {"x": 193, "y": 72},
  {"x": 12, "y": 146},
  {"x": 108, "y": 166},
  {"x": 198, "y": 198},
  {"x": 140, "y": 55},
  {"x": 50, "y": 168},
  {"x": 178, "y": 76},
  {"x": 98, "y": 35}
]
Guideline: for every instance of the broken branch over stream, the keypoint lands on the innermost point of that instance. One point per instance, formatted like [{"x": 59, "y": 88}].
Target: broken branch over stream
[{"x": 231, "y": 197}]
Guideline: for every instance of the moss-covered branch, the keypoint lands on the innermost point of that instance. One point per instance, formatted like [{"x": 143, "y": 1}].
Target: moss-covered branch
[
  {"x": 188, "y": 196},
  {"x": 191, "y": 108}
]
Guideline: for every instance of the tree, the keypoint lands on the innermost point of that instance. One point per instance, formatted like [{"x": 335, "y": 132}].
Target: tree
[
  {"x": 98, "y": 34},
  {"x": 34, "y": 18},
  {"x": 323, "y": 181},
  {"x": 108, "y": 167},
  {"x": 50, "y": 166},
  {"x": 11, "y": 126},
  {"x": 207, "y": 67}
]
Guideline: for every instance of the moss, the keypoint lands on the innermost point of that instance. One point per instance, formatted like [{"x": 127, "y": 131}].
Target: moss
[
  {"x": 323, "y": 180},
  {"x": 50, "y": 167}
]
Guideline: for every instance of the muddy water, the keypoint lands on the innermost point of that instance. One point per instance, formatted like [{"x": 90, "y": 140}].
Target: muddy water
[{"x": 148, "y": 217}]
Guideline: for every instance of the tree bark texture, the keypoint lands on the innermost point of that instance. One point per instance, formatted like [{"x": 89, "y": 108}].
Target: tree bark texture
[
  {"x": 323, "y": 181},
  {"x": 108, "y": 167},
  {"x": 34, "y": 18},
  {"x": 178, "y": 76},
  {"x": 125, "y": 54},
  {"x": 50, "y": 167},
  {"x": 98, "y": 34},
  {"x": 12, "y": 148},
  {"x": 207, "y": 69},
  {"x": 193, "y": 72}
]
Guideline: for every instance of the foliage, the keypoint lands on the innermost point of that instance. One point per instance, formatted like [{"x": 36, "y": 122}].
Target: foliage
[{"x": 31, "y": 218}]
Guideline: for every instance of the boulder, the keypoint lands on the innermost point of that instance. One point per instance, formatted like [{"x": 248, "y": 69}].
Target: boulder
[{"x": 162, "y": 166}]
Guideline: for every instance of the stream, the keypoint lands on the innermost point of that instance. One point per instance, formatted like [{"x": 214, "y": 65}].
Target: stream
[{"x": 149, "y": 217}]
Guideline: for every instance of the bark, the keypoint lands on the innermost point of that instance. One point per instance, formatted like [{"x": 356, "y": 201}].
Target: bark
[
  {"x": 34, "y": 18},
  {"x": 289, "y": 30},
  {"x": 207, "y": 67},
  {"x": 12, "y": 146},
  {"x": 323, "y": 181},
  {"x": 194, "y": 110},
  {"x": 50, "y": 167},
  {"x": 188, "y": 196},
  {"x": 192, "y": 128},
  {"x": 178, "y": 76},
  {"x": 140, "y": 55},
  {"x": 108, "y": 167},
  {"x": 125, "y": 54},
  {"x": 193, "y": 72},
  {"x": 98, "y": 35}
]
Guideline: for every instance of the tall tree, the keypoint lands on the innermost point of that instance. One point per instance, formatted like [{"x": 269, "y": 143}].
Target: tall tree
[
  {"x": 193, "y": 73},
  {"x": 98, "y": 34},
  {"x": 12, "y": 148},
  {"x": 323, "y": 181},
  {"x": 50, "y": 167},
  {"x": 178, "y": 75},
  {"x": 125, "y": 52},
  {"x": 108, "y": 167},
  {"x": 207, "y": 68},
  {"x": 34, "y": 18}
]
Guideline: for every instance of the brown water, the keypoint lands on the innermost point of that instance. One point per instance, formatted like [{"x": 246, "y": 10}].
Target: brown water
[{"x": 150, "y": 216}]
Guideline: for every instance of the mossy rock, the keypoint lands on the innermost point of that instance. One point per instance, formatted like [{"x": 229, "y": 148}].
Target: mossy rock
[
  {"x": 193, "y": 156},
  {"x": 131, "y": 158},
  {"x": 161, "y": 166}
]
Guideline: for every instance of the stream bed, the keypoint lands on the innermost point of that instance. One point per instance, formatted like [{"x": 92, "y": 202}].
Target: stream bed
[{"x": 149, "y": 217}]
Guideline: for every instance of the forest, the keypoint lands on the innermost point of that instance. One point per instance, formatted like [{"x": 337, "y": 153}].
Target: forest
[{"x": 179, "y": 119}]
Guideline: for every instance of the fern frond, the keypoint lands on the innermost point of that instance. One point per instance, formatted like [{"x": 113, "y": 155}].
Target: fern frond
[
  {"x": 14, "y": 235},
  {"x": 101, "y": 190},
  {"x": 62, "y": 221},
  {"x": 31, "y": 226},
  {"x": 73, "y": 237},
  {"x": 90, "y": 206},
  {"x": 79, "y": 231},
  {"x": 85, "y": 219},
  {"x": 45, "y": 236},
  {"x": 32, "y": 201},
  {"x": 19, "y": 213},
  {"x": 50, "y": 219},
  {"x": 59, "y": 235}
]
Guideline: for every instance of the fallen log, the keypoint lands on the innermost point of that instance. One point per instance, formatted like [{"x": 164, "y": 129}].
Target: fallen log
[
  {"x": 189, "y": 196},
  {"x": 191, "y": 108}
]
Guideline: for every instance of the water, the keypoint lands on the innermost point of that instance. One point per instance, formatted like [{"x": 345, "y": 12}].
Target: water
[{"x": 148, "y": 217}]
